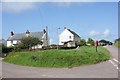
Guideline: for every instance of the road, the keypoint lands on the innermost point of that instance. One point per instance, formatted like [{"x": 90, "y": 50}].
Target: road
[{"x": 108, "y": 69}]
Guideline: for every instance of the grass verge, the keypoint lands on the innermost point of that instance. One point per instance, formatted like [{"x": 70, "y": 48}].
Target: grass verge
[
  {"x": 117, "y": 44},
  {"x": 59, "y": 58}
]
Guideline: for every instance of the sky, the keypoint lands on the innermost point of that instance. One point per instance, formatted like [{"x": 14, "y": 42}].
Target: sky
[{"x": 97, "y": 20}]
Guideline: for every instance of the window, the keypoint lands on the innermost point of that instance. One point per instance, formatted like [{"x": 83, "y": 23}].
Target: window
[{"x": 70, "y": 37}]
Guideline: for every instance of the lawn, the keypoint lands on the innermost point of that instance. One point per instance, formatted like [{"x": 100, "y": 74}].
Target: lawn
[{"x": 59, "y": 58}]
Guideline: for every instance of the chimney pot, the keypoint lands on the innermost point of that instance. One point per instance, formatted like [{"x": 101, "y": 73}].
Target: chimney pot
[
  {"x": 65, "y": 28},
  {"x": 44, "y": 30},
  {"x": 27, "y": 32},
  {"x": 12, "y": 33}
]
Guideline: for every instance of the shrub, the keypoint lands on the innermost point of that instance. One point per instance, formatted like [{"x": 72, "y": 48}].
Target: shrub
[
  {"x": 82, "y": 42},
  {"x": 117, "y": 42},
  {"x": 17, "y": 48},
  {"x": 90, "y": 41},
  {"x": 67, "y": 47},
  {"x": 7, "y": 49}
]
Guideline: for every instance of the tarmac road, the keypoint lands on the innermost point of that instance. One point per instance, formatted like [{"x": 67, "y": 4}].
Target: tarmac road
[{"x": 108, "y": 69}]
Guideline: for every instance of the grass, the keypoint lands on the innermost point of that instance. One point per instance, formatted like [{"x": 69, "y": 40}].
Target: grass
[
  {"x": 117, "y": 44},
  {"x": 59, "y": 58}
]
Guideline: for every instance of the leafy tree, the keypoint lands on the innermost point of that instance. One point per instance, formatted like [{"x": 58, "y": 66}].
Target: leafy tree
[
  {"x": 105, "y": 42},
  {"x": 28, "y": 42},
  {"x": 117, "y": 40},
  {"x": 82, "y": 42},
  {"x": 90, "y": 41}
]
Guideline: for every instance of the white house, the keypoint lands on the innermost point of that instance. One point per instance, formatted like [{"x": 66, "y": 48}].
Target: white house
[
  {"x": 68, "y": 38},
  {"x": 15, "y": 38}
]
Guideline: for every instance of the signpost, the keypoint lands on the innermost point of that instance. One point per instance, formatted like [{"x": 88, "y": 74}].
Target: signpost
[{"x": 96, "y": 44}]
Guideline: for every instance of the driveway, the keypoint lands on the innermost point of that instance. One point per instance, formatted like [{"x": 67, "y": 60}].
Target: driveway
[{"x": 108, "y": 69}]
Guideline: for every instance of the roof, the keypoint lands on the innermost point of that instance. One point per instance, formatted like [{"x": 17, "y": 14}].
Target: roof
[
  {"x": 19, "y": 36},
  {"x": 73, "y": 33}
]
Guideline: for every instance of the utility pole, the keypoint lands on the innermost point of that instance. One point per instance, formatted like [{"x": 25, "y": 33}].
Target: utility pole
[
  {"x": 46, "y": 35},
  {"x": 58, "y": 38}
]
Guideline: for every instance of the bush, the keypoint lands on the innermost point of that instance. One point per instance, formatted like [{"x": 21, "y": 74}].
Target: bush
[
  {"x": 82, "y": 42},
  {"x": 7, "y": 49},
  {"x": 17, "y": 48},
  {"x": 117, "y": 43}
]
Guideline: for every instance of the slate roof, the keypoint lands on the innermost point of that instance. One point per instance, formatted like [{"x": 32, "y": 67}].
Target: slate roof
[
  {"x": 19, "y": 36},
  {"x": 73, "y": 33}
]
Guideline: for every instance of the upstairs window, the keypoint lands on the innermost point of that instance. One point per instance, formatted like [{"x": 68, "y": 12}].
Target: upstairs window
[{"x": 70, "y": 37}]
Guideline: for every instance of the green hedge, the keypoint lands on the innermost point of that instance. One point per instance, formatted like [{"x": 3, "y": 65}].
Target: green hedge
[{"x": 7, "y": 49}]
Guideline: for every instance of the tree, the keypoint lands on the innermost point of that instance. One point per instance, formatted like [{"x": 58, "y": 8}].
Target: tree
[
  {"x": 90, "y": 41},
  {"x": 82, "y": 42},
  {"x": 117, "y": 42},
  {"x": 105, "y": 42},
  {"x": 28, "y": 42}
]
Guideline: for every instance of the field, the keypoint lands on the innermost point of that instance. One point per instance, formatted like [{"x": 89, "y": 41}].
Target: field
[{"x": 59, "y": 58}]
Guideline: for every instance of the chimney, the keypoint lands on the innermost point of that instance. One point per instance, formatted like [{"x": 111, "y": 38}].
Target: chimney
[
  {"x": 65, "y": 28},
  {"x": 27, "y": 33},
  {"x": 44, "y": 31},
  {"x": 12, "y": 33}
]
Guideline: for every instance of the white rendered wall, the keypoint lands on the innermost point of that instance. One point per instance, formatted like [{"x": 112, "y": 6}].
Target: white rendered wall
[
  {"x": 15, "y": 42},
  {"x": 65, "y": 36},
  {"x": 9, "y": 43}
]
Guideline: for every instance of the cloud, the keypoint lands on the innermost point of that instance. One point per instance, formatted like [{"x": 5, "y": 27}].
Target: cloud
[
  {"x": 106, "y": 33},
  {"x": 22, "y": 5},
  {"x": 17, "y": 6},
  {"x": 94, "y": 33}
]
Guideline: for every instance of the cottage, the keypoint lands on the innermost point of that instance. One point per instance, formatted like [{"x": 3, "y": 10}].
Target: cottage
[
  {"x": 15, "y": 38},
  {"x": 68, "y": 38}
]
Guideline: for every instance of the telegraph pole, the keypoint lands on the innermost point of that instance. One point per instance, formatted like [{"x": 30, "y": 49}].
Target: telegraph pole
[
  {"x": 46, "y": 35},
  {"x": 58, "y": 38}
]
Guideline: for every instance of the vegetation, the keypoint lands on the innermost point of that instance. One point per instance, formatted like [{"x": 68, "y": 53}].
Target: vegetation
[
  {"x": 7, "y": 49},
  {"x": 82, "y": 42},
  {"x": 59, "y": 58},
  {"x": 117, "y": 42},
  {"x": 28, "y": 42},
  {"x": 90, "y": 41},
  {"x": 105, "y": 42}
]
